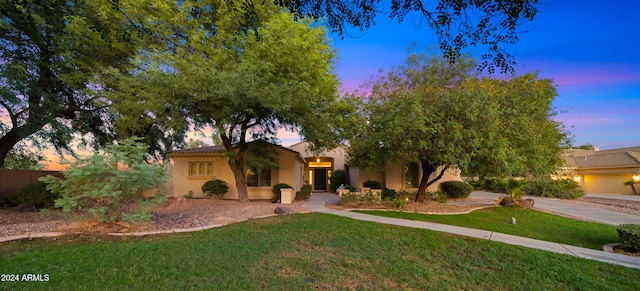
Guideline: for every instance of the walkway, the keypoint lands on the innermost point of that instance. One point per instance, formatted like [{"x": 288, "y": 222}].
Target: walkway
[{"x": 317, "y": 200}]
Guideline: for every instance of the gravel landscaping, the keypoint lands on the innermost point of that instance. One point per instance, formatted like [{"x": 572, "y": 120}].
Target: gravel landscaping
[{"x": 180, "y": 214}]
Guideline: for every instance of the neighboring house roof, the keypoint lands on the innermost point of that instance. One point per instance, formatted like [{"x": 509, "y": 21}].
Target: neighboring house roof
[{"x": 624, "y": 157}]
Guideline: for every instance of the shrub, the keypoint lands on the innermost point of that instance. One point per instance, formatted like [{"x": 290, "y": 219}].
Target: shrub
[
  {"x": 304, "y": 193},
  {"x": 388, "y": 194},
  {"x": 497, "y": 185},
  {"x": 372, "y": 184},
  {"x": 629, "y": 235},
  {"x": 215, "y": 187},
  {"x": 475, "y": 182},
  {"x": 339, "y": 177},
  {"x": 402, "y": 194},
  {"x": 456, "y": 189},
  {"x": 277, "y": 187},
  {"x": 561, "y": 188},
  {"x": 398, "y": 203},
  {"x": 35, "y": 192},
  {"x": 354, "y": 199},
  {"x": 109, "y": 185}
]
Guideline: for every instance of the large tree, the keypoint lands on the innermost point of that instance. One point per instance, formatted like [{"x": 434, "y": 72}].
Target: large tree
[
  {"x": 491, "y": 24},
  {"x": 444, "y": 116},
  {"x": 51, "y": 56},
  {"x": 245, "y": 72}
]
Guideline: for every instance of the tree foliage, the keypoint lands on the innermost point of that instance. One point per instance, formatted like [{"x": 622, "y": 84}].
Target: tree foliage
[
  {"x": 445, "y": 116},
  {"x": 245, "y": 73},
  {"x": 458, "y": 24},
  {"x": 106, "y": 184},
  {"x": 52, "y": 54}
]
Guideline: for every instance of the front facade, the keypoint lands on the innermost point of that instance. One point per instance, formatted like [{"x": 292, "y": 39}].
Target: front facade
[
  {"x": 603, "y": 171},
  {"x": 319, "y": 167},
  {"x": 194, "y": 167}
]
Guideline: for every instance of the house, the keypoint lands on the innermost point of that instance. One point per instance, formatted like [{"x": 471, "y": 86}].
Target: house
[
  {"x": 194, "y": 167},
  {"x": 602, "y": 171},
  {"x": 297, "y": 166},
  {"x": 318, "y": 168}
]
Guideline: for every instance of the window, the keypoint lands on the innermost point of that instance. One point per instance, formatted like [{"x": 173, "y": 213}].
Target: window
[
  {"x": 200, "y": 169},
  {"x": 259, "y": 178},
  {"x": 411, "y": 171}
]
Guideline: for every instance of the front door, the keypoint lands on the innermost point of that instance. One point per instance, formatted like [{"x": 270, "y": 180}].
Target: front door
[{"x": 320, "y": 179}]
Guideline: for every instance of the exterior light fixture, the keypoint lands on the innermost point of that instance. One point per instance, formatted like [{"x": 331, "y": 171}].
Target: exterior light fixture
[
  {"x": 318, "y": 160},
  {"x": 636, "y": 178},
  {"x": 576, "y": 178}
]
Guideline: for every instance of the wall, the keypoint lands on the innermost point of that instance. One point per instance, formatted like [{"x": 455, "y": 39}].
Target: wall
[
  {"x": 183, "y": 183},
  {"x": 12, "y": 180}
]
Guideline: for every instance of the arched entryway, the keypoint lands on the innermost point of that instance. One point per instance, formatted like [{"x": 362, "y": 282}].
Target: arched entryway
[{"x": 317, "y": 172}]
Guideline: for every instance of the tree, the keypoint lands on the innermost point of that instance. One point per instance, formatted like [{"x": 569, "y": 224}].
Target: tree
[
  {"x": 196, "y": 143},
  {"x": 458, "y": 24},
  {"x": 443, "y": 115},
  {"x": 52, "y": 54},
  {"x": 244, "y": 72}
]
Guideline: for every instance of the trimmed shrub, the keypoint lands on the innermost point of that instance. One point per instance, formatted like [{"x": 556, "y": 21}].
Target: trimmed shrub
[
  {"x": 339, "y": 177},
  {"x": 215, "y": 187},
  {"x": 388, "y": 194},
  {"x": 304, "y": 193},
  {"x": 277, "y": 187},
  {"x": 35, "y": 192},
  {"x": 359, "y": 199},
  {"x": 561, "y": 188},
  {"x": 629, "y": 235},
  {"x": 456, "y": 189},
  {"x": 372, "y": 184},
  {"x": 475, "y": 182}
]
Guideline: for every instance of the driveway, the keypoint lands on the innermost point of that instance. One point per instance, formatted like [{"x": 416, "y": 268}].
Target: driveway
[{"x": 576, "y": 210}]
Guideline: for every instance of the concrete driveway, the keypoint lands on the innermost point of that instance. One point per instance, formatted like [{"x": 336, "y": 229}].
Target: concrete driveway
[{"x": 577, "y": 210}]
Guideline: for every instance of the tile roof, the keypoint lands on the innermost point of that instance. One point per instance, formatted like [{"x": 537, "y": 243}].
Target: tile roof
[
  {"x": 622, "y": 157},
  {"x": 616, "y": 159},
  {"x": 202, "y": 150}
]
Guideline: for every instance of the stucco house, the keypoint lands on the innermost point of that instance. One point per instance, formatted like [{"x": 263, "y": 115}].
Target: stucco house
[
  {"x": 602, "y": 171},
  {"x": 194, "y": 167},
  {"x": 297, "y": 166}
]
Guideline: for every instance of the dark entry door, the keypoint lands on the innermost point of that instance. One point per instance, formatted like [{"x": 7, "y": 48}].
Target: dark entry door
[{"x": 320, "y": 179}]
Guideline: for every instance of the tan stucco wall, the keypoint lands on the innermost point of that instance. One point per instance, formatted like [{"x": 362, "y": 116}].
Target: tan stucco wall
[
  {"x": 183, "y": 183},
  {"x": 338, "y": 154}
]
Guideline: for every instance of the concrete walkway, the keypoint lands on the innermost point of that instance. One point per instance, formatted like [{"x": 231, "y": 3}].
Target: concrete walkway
[
  {"x": 317, "y": 200},
  {"x": 576, "y": 210}
]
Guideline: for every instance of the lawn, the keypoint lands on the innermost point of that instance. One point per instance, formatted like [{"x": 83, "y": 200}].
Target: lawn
[
  {"x": 303, "y": 251},
  {"x": 529, "y": 223}
]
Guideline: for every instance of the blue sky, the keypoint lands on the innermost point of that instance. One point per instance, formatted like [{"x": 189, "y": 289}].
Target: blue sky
[{"x": 591, "y": 50}]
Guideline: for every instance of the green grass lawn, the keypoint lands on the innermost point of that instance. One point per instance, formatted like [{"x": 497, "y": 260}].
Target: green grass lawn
[
  {"x": 529, "y": 223},
  {"x": 303, "y": 251}
]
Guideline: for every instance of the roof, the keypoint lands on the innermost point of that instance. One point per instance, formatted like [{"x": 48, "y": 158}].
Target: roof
[
  {"x": 623, "y": 157},
  {"x": 221, "y": 149}
]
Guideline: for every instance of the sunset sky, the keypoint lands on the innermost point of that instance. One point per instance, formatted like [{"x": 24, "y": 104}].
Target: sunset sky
[{"x": 591, "y": 49}]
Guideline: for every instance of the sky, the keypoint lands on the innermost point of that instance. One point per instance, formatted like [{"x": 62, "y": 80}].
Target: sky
[{"x": 591, "y": 49}]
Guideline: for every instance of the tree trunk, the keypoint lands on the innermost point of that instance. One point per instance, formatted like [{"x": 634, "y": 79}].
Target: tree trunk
[
  {"x": 237, "y": 167},
  {"x": 7, "y": 142},
  {"x": 427, "y": 170}
]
